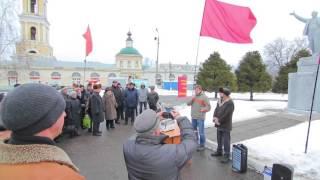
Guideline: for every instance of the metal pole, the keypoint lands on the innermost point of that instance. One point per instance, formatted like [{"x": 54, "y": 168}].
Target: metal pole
[
  {"x": 157, "y": 63},
  {"x": 84, "y": 70},
  {"x": 314, "y": 92},
  {"x": 195, "y": 68}
]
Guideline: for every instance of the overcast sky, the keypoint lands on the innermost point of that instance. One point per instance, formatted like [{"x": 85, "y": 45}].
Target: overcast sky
[{"x": 178, "y": 22}]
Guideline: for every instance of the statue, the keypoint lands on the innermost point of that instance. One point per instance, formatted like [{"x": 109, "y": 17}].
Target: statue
[{"x": 312, "y": 30}]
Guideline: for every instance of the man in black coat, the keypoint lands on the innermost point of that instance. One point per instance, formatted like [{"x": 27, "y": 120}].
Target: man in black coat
[
  {"x": 119, "y": 98},
  {"x": 131, "y": 102},
  {"x": 222, "y": 118},
  {"x": 97, "y": 109}
]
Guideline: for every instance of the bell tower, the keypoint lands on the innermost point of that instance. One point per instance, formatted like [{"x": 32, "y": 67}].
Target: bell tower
[{"x": 34, "y": 29}]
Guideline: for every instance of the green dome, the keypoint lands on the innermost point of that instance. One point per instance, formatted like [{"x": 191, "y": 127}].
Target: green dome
[{"x": 129, "y": 50}]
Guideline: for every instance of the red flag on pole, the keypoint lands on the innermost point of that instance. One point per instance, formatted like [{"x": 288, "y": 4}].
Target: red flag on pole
[
  {"x": 87, "y": 36},
  {"x": 227, "y": 22}
]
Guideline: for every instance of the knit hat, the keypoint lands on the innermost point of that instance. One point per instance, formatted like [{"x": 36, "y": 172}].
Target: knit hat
[
  {"x": 225, "y": 91},
  {"x": 146, "y": 121},
  {"x": 31, "y": 108}
]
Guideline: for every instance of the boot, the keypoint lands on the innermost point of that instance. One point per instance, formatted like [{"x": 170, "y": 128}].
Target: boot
[
  {"x": 216, "y": 154},
  {"x": 200, "y": 148},
  {"x": 107, "y": 125},
  {"x": 111, "y": 124},
  {"x": 225, "y": 159}
]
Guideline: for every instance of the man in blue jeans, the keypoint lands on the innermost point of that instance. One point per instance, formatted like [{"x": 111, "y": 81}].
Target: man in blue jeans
[{"x": 200, "y": 105}]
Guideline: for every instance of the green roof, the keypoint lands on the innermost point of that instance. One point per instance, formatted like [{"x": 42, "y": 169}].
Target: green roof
[{"x": 129, "y": 51}]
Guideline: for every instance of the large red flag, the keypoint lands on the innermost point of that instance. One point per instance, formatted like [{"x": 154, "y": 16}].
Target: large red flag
[
  {"x": 227, "y": 22},
  {"x": 87, "y": 36}
]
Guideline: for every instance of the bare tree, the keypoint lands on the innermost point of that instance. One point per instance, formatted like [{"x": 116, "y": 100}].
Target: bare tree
[
  {"x": 9, "y": 28},
  {"x": 280, "y": 51}
]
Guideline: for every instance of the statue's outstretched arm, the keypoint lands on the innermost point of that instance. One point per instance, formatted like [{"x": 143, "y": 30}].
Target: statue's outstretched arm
[{"x": 302, "y": 19}]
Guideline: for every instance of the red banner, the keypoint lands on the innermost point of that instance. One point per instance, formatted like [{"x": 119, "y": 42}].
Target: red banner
[{"x": 182, "y": 86}]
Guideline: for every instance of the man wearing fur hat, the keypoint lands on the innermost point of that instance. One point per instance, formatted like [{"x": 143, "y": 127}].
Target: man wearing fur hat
[
  {"x": 35, "y": 115},
  {"x": 146, "y": 155},
  {"x": 222, "y": 118},
  {"x": 97, "y": 110}
]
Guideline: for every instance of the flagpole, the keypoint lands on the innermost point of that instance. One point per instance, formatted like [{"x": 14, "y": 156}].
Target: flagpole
[
  {"x": 195, "y": 68},
  {"x": 84, "y": 70},
  {"x": 314, "y": 92}
]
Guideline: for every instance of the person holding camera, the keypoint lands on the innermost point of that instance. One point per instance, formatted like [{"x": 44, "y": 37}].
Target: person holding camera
[
  {"x": 147, "y": 157},
  {"x": 222, "y": 118},
  {"x": 200, "y": 105}
]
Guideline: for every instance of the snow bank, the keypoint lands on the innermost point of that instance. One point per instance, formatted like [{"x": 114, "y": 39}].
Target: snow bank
[
  {"x": 287, "y": 146},
  {"x": 244, "y": 110},
  {"x": 259, "y": 96}
]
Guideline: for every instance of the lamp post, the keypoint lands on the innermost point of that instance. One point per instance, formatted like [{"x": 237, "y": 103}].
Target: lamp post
[{"x": 157, "y": 62}]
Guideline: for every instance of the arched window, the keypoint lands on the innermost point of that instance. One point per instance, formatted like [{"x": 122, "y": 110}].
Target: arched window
[
  {"x": 34, "y": 75},
  {"x": 55, "y": 76},
  {"x": 172, "y": 77},
  {"x": 76, "y": 78},
  {"x": 33, "y": 6},
  {"x": 94, "y": 76},
  {"x": 112, "y": 75},
  {"x": 32, "y": 52},
  {"x": 33, "y": 33},
  {"x": 12, "y": 78}
]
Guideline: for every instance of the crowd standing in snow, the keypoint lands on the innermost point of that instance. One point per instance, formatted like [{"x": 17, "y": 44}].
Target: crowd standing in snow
[{"x": 77, "y": 108}]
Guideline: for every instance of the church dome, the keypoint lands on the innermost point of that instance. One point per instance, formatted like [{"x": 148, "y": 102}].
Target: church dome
[{"x": 129, "y": 51}]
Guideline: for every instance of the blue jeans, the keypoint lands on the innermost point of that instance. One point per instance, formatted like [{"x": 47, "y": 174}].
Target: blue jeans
[{"x": 198, "y": 126}]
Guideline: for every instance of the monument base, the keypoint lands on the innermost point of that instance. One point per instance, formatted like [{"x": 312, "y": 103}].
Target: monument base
[{"x": 301, "y": 86}]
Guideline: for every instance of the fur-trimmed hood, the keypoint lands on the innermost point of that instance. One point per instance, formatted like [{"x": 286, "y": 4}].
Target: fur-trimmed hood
[{"x": 33, "y": 153}]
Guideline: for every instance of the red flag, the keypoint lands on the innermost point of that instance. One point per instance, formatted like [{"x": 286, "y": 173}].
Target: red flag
[
  {"x": 87, "y": 36},
  {"x": 227, "y": 22}
]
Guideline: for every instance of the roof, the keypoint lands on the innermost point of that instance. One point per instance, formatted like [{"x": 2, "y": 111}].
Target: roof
[
  {"x": 52, "y": 63},
  {"x": 129, "y": 51}
]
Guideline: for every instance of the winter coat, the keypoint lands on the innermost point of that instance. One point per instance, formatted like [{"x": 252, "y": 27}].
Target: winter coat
[
  {"x": 131, "y": 98},
  {"x": 223, "y": 112},
  {"x": 147, "y": 157},
  {"x": 36, "y": 162},
  {"x": 118, "y": 95},
  {"x": 153, "y": 98},
  {"x": 197, "y": 103},
  {"x": 84, "y": 97},
  {"x": 74, "y": 112},
  {"x": 143, "y": 94},
  {"x": 96, "y": 107},
  {"x": 110, "y": 106}
]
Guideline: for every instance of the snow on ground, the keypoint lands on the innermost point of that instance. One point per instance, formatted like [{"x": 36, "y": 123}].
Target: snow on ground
[
  {"x": 287, "y": 146},
  {"x": 259, "y": 96},
  {"x": 244, "y": 110}
]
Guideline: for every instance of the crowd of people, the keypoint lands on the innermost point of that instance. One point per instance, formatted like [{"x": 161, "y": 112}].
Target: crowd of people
[
  {"x": 115, "y": 105},
  {"x": 35, "y": 115}
]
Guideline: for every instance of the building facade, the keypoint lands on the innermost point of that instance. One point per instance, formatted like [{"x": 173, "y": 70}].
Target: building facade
[{"x": 34, "y": 61}]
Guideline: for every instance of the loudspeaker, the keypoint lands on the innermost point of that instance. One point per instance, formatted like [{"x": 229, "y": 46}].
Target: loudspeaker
[
  {"x": 239, "y": 158},
  {"x": 282, "y": 172}
]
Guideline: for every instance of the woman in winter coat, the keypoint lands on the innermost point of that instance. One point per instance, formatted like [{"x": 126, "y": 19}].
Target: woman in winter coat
[
  {"x": 110, "y": 105},
  {"x": 74, "y": 115}
]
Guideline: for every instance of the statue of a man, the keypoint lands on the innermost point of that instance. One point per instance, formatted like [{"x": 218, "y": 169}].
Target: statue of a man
[{"x": 312, "y": 30}]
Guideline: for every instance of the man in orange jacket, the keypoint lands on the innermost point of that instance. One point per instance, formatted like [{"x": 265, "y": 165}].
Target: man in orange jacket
[{"x": 34, "y": 113}]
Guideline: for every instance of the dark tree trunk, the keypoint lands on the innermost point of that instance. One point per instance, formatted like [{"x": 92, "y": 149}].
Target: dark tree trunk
[
  {"x": 251, "y": 93},
  {"x": 215, "y": 94}
]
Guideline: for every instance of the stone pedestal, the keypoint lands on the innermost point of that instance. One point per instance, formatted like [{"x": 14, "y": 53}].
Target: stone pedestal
[{"x": 301, "y": 85}]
